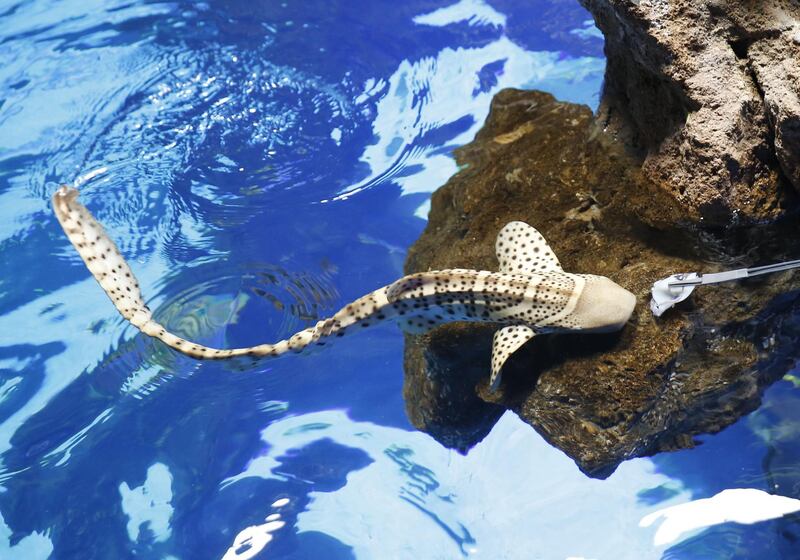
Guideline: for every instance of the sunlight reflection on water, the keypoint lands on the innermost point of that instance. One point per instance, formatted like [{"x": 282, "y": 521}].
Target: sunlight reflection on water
[
  {"x": 205, "y": 136},
  {"x": 463, "y": 504}
]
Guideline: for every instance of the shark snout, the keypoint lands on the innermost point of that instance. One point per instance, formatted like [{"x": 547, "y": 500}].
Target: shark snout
[{"x": 603, "y": 306}]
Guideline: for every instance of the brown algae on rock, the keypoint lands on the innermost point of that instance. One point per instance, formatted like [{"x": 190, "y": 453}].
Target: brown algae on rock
[{"x": 601, "y": 398}]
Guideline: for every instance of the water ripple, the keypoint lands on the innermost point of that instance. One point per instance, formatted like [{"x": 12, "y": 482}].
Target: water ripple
[{"x": 220, "y": 309}]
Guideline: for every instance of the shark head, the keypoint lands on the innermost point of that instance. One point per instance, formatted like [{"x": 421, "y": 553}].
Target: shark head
[{"x": 603, "y": 305}]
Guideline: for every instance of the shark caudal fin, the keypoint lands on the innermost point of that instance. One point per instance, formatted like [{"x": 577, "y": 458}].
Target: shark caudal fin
[
  {"x": 101, "y": 255},
  {"x": 109, "y": 268}
]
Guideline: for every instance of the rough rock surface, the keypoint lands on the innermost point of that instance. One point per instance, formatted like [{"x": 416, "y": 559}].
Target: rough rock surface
[
  {"x": 599, "y": 398},
  {"x": 709, "y": 91}
]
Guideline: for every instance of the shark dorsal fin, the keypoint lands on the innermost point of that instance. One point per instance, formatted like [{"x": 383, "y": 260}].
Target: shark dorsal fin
[
  {"x": 507, "y": 341},
  {"x": 522, "y": 249}
]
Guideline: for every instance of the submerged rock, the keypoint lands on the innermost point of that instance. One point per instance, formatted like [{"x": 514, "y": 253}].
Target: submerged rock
[
  {"x": 709, "y": 92},
  {"x": 601, "y": 398}
]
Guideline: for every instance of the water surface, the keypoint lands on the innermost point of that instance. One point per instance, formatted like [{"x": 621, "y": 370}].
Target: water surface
[{"x": 261, "y": 164}]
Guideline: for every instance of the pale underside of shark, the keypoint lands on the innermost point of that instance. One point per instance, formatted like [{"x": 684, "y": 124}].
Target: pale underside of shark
[{"x": 529, "y": 295}]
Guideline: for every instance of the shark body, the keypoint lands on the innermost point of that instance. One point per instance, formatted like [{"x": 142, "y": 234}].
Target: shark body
[{"x": 529, "y": 295}]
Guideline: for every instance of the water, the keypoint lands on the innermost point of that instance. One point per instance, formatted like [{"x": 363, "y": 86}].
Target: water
[{"x": 261, "y": 164}]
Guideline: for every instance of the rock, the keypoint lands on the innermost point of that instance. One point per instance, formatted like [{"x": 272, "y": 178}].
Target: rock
[
  {"x": 707, "y": 92},
  {"x": 599, "y": 398}
]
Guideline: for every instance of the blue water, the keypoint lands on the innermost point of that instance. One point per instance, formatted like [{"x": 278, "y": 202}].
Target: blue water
[{"x": 261, "y": 164}]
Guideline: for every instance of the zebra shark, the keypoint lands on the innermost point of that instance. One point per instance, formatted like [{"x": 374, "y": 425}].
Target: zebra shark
[{"x": 529, "y": 295}]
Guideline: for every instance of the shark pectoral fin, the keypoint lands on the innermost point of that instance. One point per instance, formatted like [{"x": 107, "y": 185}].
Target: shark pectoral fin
[
  {"x": 521, "y": 248},
  {"x": 506, "y": 341}
]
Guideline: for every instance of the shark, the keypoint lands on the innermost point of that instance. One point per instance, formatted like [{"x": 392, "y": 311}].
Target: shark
[{"x": 530, "y": 294}]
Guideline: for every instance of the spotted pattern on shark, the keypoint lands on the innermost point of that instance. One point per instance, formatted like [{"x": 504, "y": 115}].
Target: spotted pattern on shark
[{"x": 530, "y": 294}]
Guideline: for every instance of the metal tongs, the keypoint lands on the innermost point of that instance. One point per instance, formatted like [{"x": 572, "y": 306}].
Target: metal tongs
[{"x": 676, "y": 288}]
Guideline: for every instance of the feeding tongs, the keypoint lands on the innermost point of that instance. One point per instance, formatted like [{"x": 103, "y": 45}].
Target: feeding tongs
[{"x": 676, "y": 288}]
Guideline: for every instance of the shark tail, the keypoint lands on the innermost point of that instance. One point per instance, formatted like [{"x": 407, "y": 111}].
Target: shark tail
[{"x": 112, "y": 272}]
